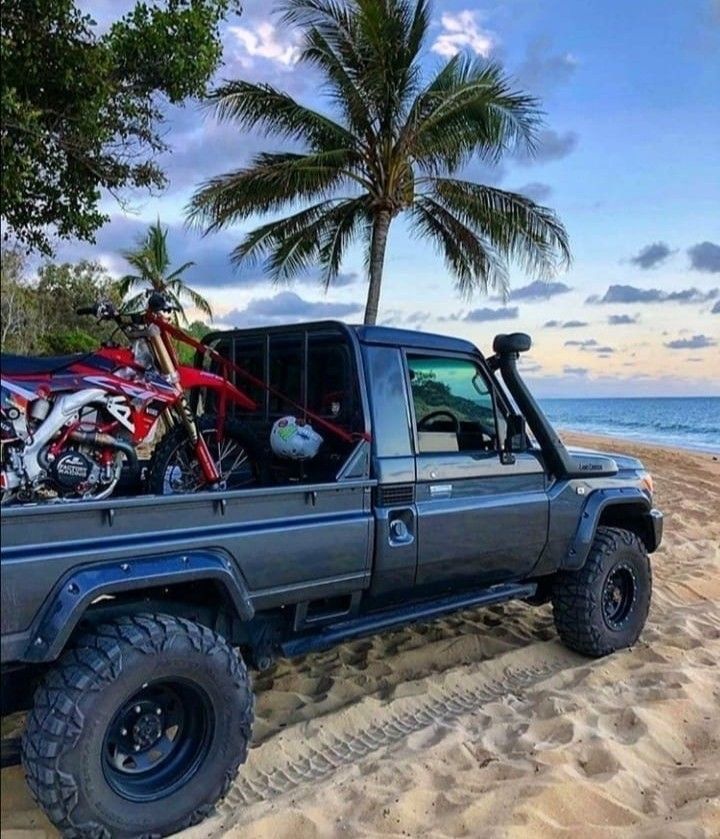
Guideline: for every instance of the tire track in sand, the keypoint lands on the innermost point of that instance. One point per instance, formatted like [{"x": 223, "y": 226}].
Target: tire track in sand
[{"x": 311, "y": 752}]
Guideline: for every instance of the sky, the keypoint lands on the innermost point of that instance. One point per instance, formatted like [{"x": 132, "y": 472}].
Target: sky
[{"x": 629, "y": 158}]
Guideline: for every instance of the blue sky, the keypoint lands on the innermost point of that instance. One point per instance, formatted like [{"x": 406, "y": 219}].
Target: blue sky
[{"x": 630, "y": 160}]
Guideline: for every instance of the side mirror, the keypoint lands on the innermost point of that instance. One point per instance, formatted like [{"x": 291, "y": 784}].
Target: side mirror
[{"x": 515, "y": 438}]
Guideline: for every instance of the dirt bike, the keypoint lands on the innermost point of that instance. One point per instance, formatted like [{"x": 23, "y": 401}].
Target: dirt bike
[{"x": 69, "y": 424}]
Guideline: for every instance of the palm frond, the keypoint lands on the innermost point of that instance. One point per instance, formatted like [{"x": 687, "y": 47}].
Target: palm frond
[
  {"x": 197, "y": 300},
  {"x": 135, "y": 304},
  {"x": 475, "y": 265},
  {"x": 127, "y": 283},
  {"x": 468, "y": 108},
  {"x": 342, "y": 228},
  {"x": 268, "y": 184},
  {"x": 258, "y": 243},
  {"x": 291, "y": 245},
  {"x": 525, "y": 232},
  {"x": 278, "y": 114},
  {"x": 178, "y": 271}
]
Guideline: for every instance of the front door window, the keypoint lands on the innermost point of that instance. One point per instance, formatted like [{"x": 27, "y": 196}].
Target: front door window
[{"x": 454, "y": 406}]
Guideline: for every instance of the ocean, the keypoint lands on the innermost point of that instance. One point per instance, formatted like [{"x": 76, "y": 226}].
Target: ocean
[{"x": 687, "y": 422}]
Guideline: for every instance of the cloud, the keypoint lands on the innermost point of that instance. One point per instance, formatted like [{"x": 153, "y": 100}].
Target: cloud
[
  {"x": 575, "y": 371},
  {"x": 632, "y": 294},
  {"x": 536, "y": 191},
  {"x": 483, "y": 315},
  {"x": 418, "y": 317},
  {"x": 705, "y": 256},
  {"x": 543, "y": 70},
  {"x": 652, "y": 255},
  {"x": 264, "y": 41},
  {"x": 620, "y": 320},
  {"x": 568, "y": 324},
  {"x": 461, "y": 31},
  {"x": 551, "y": 145},
  {"x": 716, "y": 308},
  {"x": 697, "y": 342},
  {"x": 286, "y": 307},
  {"x": 211, "y": 255},
  {"x": 538, "y": 290},
  {"x": 591, "y": 345}
]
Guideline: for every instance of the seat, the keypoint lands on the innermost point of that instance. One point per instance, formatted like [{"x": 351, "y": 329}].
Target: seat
[{"x": 23, "y": 365}]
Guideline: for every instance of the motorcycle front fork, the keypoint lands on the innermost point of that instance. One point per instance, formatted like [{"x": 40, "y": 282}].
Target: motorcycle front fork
[
  {"x": 187, "y": 416},
  {"x": 207, "y": 464}
]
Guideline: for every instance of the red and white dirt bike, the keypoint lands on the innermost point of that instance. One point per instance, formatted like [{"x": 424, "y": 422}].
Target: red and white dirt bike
[{"x": 68, "y": 424}]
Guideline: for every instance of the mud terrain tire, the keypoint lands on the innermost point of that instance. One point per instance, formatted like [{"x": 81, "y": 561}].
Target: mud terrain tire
[
  {"x": 105, "y": 691},
  {"x": 603, "y": 606}
]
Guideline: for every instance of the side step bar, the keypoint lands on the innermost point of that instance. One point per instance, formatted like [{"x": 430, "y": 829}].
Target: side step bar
[{"x": 334, "y": 634}]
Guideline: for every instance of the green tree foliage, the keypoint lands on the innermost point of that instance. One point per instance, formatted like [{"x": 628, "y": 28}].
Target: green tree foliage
[
  {"x": 397, "y": 145},
  {"x": 38, "y": 314},
  {"x": 197, "y": 330},
  {"x": 82, "y": 112},
  {"x": 151, "y": 261}
]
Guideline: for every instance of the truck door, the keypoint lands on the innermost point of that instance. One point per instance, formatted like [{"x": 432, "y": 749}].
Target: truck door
[{"x": 479, "y": 520}]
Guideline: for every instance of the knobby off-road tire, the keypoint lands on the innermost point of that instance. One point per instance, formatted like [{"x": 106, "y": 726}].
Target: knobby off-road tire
[
  {"x": 174, "y": 468},
  {"x": 603, "y": 606},
  {"x": 102, "y": 700}
]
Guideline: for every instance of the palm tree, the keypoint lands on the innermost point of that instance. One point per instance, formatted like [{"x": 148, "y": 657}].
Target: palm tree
[
  {"x": 395, "y": 147},
  {"x": 151, "y": 262}
]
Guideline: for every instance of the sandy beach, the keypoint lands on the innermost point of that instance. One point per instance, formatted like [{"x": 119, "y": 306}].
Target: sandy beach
[{"x": 484, "y": 725}]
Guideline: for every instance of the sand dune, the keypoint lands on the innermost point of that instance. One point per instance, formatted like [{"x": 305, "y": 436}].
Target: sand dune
[{"x": 483, "y": 724}]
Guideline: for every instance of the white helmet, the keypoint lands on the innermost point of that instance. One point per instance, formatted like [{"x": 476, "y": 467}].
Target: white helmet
[{"x": 294, "y": 438}]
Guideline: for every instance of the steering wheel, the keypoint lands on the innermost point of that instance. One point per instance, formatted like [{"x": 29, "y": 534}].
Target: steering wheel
[{"x": 442, "y": 413}]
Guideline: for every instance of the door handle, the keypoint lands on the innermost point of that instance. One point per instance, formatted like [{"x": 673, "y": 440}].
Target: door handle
[{"x": 401, "y": 527}]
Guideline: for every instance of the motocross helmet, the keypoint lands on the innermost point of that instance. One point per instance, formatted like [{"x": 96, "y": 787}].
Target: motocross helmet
[{"x": 295, "y": 439}]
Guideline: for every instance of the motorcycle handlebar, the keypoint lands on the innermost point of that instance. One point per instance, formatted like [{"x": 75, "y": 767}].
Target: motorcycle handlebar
[{"x": 102, "y": 311}]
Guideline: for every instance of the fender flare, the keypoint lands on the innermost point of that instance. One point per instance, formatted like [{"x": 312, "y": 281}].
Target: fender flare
[
  {"x": 71, "y": 597},
  {"x": 598, "y": 501}
]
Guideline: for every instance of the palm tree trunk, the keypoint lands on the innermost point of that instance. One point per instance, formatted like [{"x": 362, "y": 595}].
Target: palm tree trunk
[{"x": 381, "y": 225}]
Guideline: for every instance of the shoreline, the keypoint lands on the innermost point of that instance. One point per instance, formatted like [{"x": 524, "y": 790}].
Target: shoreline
[{"x": 620, "y": 439}]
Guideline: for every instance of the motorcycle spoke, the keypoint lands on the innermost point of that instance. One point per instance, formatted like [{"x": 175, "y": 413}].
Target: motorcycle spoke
[{"x": 239, "y": 461}]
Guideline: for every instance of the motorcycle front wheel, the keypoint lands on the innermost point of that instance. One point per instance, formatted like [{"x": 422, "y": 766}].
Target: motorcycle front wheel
[{"x": 174, "y": 468}]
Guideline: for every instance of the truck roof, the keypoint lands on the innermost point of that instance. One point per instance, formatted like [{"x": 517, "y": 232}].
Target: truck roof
[
  {"x": 411, "y": 338},
  {"x": 387, "y": 335}
]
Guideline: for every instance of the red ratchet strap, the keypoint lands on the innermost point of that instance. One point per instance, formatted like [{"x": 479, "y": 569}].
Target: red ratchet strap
[{"x": 230, "y": 365}]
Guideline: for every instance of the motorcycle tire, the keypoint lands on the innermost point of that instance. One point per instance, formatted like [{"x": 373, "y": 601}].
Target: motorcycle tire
[{"x": 174, "y": 468}]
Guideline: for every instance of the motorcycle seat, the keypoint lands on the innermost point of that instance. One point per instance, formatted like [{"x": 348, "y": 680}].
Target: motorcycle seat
[{"x": 27, "y": 365}]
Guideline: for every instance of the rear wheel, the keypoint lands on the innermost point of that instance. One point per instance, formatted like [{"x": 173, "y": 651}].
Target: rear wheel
[
  {"x": 174, "y": 468},
  {"x": 139, "y": 729}
]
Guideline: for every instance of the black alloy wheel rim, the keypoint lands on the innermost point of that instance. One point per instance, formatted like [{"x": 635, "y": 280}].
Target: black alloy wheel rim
[
  {"x": 157, "y": 740},
  {"x": 618, "y": 596}
]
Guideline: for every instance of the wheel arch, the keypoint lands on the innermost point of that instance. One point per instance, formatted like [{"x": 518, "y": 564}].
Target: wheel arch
[
  {"x": 190, "y": 578},
  {"x": 626, "y": 508}
]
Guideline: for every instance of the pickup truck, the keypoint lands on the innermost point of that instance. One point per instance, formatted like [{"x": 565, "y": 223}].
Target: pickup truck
[{"x": 130, "y": 625}]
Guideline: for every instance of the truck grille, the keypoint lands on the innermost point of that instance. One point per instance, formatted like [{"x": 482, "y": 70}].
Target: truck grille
[{"x": 392, "y": 496}]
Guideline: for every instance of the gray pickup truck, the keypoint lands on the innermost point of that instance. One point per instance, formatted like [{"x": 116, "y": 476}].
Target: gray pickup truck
[{"x": 129, "y": 624}]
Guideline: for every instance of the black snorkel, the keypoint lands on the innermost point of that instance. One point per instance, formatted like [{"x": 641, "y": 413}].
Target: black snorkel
[{"x": 507, "y": 349}]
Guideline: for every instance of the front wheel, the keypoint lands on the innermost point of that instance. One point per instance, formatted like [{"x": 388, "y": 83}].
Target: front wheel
[
  {"x": 174, "y": 468},
  {"x": 138, "y": 729},
  {"x": 602, "y": 607}
]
